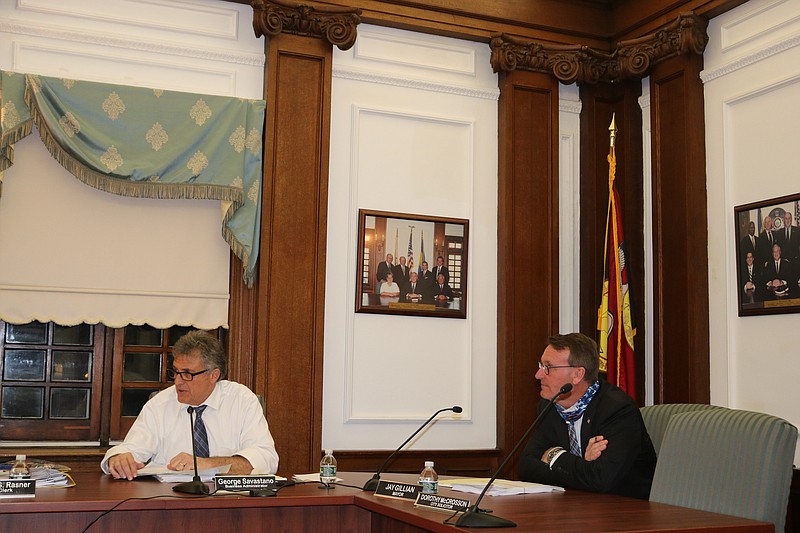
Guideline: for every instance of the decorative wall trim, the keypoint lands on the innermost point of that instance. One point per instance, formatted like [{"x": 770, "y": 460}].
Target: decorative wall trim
[
  {"x": 221, "y": 21},
  {"x": 105, "y": 40},
  {"x": 581, "y": 64},
  {"x": 728, "y": 39},
  {"x": 337, "y": 25},
  {"x": 750, "y": 59},
  {"x": 396, "y": 81}
]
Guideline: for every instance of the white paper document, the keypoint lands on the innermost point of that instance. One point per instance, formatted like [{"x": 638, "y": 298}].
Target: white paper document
[
  {"x": 500, "y": 487},
  {"x": 303, "y": 478},
  {"x": 165, "y": 475}
]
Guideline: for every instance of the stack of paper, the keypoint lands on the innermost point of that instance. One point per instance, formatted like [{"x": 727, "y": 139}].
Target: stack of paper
[
  {"x": 306, "y": 478},
  {"x": 500, "y": 487},
  {"x": 50, "y": 477},
  {"x": 165, "y": 475}
]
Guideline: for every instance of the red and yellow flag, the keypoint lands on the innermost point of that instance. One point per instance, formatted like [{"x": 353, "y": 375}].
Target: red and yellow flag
[{"x": 614, "y": 316}]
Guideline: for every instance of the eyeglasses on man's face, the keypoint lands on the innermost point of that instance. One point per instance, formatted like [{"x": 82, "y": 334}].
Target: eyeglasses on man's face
[
  {"x": 547, "y": 368},
  {"x": 185, "y": 376}
]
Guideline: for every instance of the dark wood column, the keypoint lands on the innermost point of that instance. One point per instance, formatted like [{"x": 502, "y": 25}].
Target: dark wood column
[
  {"x": 600, "y": 102},
  {"x": 680, "y": 241},
  {"x": 527, "y": 245}
]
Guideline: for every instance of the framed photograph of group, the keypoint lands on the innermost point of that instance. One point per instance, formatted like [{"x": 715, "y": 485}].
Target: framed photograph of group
[
  {"x": 411, "y": 264},
  {"x": 768, "y": 256}
]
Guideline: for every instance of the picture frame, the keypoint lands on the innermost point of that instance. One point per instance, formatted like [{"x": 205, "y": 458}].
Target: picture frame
[
  {"x": 391, "y": 251},
  {"x": 767, "y": 260}
]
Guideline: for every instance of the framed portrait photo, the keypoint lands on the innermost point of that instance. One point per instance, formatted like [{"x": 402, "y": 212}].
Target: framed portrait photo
[
  {"x": 768, "y": 256},
  {"x": 411, "y": 264}
]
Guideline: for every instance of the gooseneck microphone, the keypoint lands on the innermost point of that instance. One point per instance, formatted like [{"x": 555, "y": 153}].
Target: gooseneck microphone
[
  {"x": 477, "y": 517},
  {"x": 372, "y": 484},
  {"x": 195, "y": 486}
]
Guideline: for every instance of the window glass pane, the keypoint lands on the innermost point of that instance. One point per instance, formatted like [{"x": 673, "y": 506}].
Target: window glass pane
[
  {"x": 141, "y": 367},
  {"x": 176, "y": 332},
  {"x": 71, "y": 366},
  {"x": 134, "y": 399},
  {"x": 24, "y": 365},
  {"x": 142, "y": 336},
  {"x": 69, "y": 403},
  {"x": 33, "y": 333},
  {"x": 80, "y": 335},
  {"x": 23, "y": 402}
]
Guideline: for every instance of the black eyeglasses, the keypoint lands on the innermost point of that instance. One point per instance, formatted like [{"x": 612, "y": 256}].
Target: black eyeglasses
[
  {"x": 547, "y": 368},
  {"x": 185, "y": 376}
]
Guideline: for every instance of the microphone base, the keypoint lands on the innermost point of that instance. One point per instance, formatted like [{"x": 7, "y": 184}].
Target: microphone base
[
  {"x": 372, "y": 484},
  {"x": 478, "y": 518},
  {"x": 192, "y": 487}
]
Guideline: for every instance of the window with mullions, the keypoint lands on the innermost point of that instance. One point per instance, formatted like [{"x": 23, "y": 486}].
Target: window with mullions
[
  {"x": 454, "y": 258},
  {"x": 50, "y": 381}
]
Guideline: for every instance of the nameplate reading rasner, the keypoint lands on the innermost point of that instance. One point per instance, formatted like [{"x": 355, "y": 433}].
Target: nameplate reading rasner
[
  {"x": 244, "y": 482},
  {"x": 17, "y": 488},
  {"x": 393, "y": 489},
  {"x": 441, "y": 503}
]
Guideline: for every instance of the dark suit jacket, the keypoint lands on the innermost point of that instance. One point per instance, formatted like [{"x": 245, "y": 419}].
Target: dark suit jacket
[
  {"x": 444, "y": 289},
  {"x": 446, "y": 273},
  {"x": 626, "y": 467},
  {"x": 746, "y": 246},
  {"x": 786, "y": 271},
  {"x": 383, "y": 269},
  {"x": 789, "y": 249},
  {"x": 421, "y": 288},
  {"x": 764, "y": 248},
  {"x": 400, "y": 277},
  {"x": 427, "y": 277}
]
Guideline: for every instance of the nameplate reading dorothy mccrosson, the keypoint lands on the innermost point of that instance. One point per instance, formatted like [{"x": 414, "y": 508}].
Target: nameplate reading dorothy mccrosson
[
  {"x": 17, "y": 488},
  {"x": 441, "y": 503},
  {"x": 244, "y": 482},
  {"x": 393, "y": 489}
]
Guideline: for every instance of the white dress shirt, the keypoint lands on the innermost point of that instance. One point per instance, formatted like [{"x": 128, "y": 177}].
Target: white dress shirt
[{"x": 234, "y": 422}]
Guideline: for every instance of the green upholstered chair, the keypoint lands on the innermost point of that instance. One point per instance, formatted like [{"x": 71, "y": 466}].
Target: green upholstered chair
[
  {"x": 656, "y": 418},
  {"x": 727, "y": 461}
]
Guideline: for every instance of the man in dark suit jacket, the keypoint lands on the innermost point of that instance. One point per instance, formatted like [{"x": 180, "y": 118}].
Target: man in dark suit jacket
[
  {"x": 414, "y": 290},
  {"x": 615, "y": 453},
  {"x": 778, "y": 269},
  {"x": 748, "y": 242},
  {"x": 765, "y": 241},
  {"x": 384, "y": 267},
  {"x": 426, "y": 276},
  {"x": 440, "y": 268},
  {"x": 441, "y": 290},
  {"x": 400, "y": 272},
  {"x": 789, "y": 239}
]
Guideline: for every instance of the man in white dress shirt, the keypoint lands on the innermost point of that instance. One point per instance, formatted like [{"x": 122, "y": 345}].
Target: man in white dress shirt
[{"x": 236, "y": 429}]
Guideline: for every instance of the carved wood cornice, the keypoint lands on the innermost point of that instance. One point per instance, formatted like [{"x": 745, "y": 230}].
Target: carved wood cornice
[
  {"x": 337, "y": 25},
  {"x": 582, "y": 64}
]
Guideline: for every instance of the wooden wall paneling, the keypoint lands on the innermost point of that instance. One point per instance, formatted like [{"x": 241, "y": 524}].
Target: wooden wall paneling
[
  {"x": 291, "y": 284},
  {"x": 241, "y": 338},
  {"x": 680, "y": 242},
  {"x": 600, "y": 102},
  {"x": 527, "y": 244}
]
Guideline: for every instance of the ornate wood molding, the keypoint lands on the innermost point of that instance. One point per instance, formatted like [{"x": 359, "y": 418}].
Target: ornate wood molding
[
  {"x": 337, "y": 25},
  {"x": 581, "y": 64}
]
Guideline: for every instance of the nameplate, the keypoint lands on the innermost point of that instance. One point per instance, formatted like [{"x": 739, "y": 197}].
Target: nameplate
[
  {"x": 441, "y": 503},
  {"x": 244, "y": 482},
  {"x": 412, "y": 306},
  {"x": 401, "y": 491},
  {"x": 17, "y": 488}
]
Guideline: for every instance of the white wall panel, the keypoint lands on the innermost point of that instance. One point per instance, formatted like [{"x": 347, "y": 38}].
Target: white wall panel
[
  {"x": 413, "y": 130},
  {"x": 752, "y": 86}
]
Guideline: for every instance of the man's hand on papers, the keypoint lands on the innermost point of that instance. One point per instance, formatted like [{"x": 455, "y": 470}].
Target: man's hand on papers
[{"x": 124, "y": 466}]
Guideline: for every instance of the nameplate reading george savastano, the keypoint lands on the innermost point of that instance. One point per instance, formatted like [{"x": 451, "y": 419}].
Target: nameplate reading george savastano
[
  {"x": 244, "y": 482},
  {"x": 17, "y": 488},
  {"x": 400, "y": 491},
  {"x": 441, "y": 503}
]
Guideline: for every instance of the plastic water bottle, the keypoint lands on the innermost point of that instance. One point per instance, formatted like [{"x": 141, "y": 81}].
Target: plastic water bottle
[
  {"x": 429, "y": 479},
  {"x": 20, "y": 469},
  {"x": 327, "y": 468}
]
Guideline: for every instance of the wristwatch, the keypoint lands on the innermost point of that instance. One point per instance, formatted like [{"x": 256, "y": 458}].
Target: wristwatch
[{"x": 553, "y": 453}]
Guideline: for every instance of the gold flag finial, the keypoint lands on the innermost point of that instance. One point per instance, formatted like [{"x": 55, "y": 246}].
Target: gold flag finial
[{"x": 613, "y": 129}]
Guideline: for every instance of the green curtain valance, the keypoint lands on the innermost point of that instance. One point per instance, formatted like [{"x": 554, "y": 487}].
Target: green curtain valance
[{"x": 150, "y": 143}]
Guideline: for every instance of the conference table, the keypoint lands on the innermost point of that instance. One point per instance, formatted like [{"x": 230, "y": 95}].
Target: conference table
[{"x": 148, "y": 505}]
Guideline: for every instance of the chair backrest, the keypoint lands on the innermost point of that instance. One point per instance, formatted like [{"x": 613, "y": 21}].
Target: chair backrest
[
  {"x": 727, "y": 461},
  {"x": 656, "y": 418}
]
